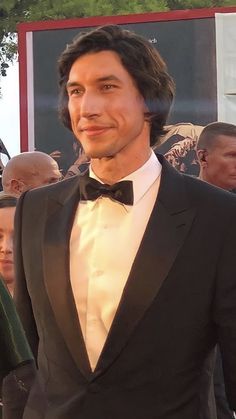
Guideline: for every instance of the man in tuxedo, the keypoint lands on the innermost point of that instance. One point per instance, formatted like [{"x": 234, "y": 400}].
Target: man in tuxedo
[{"x": 126, "y": 275}]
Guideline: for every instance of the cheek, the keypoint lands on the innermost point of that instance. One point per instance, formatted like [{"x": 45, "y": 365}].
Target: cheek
[
  {"x": 3, "y": 244},
  {"x": 225, "y": 167},
  {"x": 134, "y": 107},
  {"x": 130, "y": 116},
  {"x": 73, "y": 110},
  {"x": 216, "y": 165}
]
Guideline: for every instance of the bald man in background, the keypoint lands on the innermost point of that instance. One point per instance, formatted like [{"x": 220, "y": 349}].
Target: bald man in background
[
  {"x": 29, "y": 170},
  {"x": 25, "y": 171}
]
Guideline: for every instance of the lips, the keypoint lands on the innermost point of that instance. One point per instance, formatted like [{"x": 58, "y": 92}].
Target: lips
[
  {"x": 6, "y": 262},
  {"x": 94, "y": 130}
]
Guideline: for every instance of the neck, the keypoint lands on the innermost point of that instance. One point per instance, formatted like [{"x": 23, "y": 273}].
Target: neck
[
  {"x": 201, "y": 175},
  {"x": 10, "y": 287},
  {"x": 111, "y": 169}
]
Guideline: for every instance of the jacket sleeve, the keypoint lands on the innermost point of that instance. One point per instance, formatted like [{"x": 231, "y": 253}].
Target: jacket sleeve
[
  {"x": 224, "y": 308},
  {"x": 15, "y": 390}
]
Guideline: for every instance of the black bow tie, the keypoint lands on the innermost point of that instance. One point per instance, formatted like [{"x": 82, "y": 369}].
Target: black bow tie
[{"x": 91, "y": 189}]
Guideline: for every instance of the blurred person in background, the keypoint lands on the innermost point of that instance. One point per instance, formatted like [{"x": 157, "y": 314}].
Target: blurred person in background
[
  {"x": 7, "y": 213},
  {"x": 29, "y": 170},
  {"x": 17, "y": 368},
  {"x": 16, "y": 361}
]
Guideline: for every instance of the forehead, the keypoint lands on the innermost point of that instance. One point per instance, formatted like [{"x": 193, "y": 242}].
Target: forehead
[
  {"x": 96, "y": 65},
  {"x": 45, "y": 166},
  {"x": 224, "y": 142},
  {"x": 52, "y": 167},
  {"x": 7, "y": 217}
]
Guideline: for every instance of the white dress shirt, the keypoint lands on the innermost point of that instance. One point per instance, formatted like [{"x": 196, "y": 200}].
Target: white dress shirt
[{"x": 104, "y": 241}]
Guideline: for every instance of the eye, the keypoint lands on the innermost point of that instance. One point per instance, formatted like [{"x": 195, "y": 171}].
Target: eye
[
  {"x": 108, "y": 87},
  {"x": 75, "y": 92},
  {"x": 231, "y": 155}
]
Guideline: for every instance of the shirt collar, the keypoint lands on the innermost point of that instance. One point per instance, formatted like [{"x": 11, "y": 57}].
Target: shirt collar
[{"x": 143, "y": 178}]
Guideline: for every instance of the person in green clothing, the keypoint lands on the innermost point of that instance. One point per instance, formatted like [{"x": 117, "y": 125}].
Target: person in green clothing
[
  {"x": 7, "y": 213},
  {"x": 15, "y": 358}
]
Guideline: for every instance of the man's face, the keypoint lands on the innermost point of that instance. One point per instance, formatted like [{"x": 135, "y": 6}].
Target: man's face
[
  {"x": 6, "y": 244},
  {"x": 220, "y": 165},
  {"x": 105, "y": 106}
]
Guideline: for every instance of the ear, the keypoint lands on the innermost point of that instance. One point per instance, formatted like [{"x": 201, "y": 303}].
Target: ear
[
  {"x": 202, "y": 157},
  {"x": 16, "y": 187}
]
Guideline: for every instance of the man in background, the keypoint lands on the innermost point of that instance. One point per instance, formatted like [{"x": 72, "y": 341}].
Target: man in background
[
  {"x": 29, "y": 170},
  {"x": 216, "y": 151}
]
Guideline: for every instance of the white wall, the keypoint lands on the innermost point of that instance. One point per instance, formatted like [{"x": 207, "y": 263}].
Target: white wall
[{"x": 226, "y": 66}]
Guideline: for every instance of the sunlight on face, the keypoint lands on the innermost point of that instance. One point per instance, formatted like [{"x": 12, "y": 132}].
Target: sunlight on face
[{"x": 106, "y": 109}]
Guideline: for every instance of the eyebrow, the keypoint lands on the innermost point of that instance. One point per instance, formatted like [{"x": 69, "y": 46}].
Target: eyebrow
[{"x": 110, "y": 77}]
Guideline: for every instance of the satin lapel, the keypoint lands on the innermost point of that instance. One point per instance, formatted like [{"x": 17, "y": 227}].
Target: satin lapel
[
  {"x": 166, "y": 231},
  {"x": 58, "y": 226}
]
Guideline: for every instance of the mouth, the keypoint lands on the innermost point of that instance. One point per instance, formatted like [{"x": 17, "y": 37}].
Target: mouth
[
  {"x": 6, "y": 262},
  {"x": 92, "y": 131}
]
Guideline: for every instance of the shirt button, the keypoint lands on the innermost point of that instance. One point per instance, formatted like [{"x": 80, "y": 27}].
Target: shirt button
[{"x": 98, "y": 272}]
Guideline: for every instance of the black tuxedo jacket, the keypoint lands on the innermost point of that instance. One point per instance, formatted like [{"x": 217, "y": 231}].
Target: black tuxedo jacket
[{"x": 178, "y": 302}]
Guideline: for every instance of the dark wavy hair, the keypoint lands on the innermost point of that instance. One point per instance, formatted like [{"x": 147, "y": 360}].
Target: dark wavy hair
[{"x": 139, "y": 58}]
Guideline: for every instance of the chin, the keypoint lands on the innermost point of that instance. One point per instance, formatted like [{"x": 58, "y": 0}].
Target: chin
[
  {"x": 99, "y": 154},
  {"x": 8, "y": 277}
]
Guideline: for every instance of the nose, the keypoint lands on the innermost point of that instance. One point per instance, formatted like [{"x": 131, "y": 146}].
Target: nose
[
  {"x": 6, "y": 245},
  {"x": 90, "y": 105}
]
